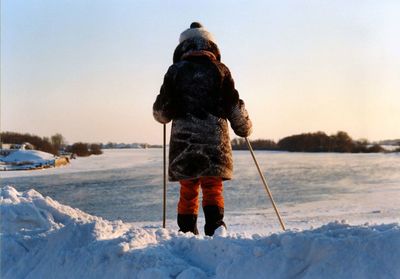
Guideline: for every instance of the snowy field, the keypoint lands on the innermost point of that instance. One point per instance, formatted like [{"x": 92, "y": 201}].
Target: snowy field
[{"x": 341, "y": 210}]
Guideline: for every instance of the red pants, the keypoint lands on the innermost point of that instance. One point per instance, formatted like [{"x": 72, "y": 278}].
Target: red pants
[{"x": 211, "y": 187}]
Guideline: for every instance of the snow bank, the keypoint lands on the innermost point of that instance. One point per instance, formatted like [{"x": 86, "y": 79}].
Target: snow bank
[
  {"x": 27, "y": 160},
  {"x": 41, "y": 238},
  {"x": 31, "y": 156}
]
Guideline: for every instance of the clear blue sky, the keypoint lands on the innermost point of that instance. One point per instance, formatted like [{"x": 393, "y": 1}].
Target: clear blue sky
[{"x": 91, "y": 69}]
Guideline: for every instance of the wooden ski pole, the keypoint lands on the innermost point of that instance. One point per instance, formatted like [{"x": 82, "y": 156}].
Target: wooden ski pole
[
  {"x": 164, "y": 175},
  {"x": 265, "y": 183}
]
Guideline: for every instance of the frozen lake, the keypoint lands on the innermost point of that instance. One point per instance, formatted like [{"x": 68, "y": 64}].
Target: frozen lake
[{"x": 309, "y": 188}]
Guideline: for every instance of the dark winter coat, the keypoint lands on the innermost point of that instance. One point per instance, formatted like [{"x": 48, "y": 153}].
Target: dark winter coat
[{"x": 199, "y": 95}]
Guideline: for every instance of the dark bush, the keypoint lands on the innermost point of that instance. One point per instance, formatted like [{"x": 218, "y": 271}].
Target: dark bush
[
  {"x": 320, "y": 142},
  {"x": 259, "y": 144},
  {"x": 80, "y": 149},
  {"x": 310, "y": 142},
  {"x": 376, "y": 148},
  {"x": 95, "y": 149}
]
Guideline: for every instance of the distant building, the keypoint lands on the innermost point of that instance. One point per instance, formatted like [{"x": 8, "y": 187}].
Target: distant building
[
  {"x": 17, "y": 146},
  {"x": 7, "y": 148}
]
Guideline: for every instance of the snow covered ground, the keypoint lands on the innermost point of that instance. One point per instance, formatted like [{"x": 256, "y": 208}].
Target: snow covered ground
[
  {"x": 342, "y": 211},
  {"x": 42, "y": 238}
]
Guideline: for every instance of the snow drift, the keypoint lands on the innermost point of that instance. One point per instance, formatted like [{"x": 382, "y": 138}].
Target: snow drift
[
  {"x": 27, "y": 159},
  {"x": 28, "y": 156},
  {"x": 41, "y": 238}
]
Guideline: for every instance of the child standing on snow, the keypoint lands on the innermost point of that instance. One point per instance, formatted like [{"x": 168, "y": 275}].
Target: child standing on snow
[{"x": 199, "y": 96}]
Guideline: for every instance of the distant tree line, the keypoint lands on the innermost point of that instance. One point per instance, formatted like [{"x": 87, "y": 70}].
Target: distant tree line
[
  {"x": 306, "y": 142},
  {"x": 259, "y": 144},
  {"x": 312, "y": 142},
  {"x": 54, "y": 145},
  {"x": 42, "y": 144},
  {"x": 114, "y": 145}
]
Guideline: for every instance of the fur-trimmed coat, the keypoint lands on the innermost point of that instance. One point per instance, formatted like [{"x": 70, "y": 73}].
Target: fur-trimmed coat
[{"x": 199, "y": 96}]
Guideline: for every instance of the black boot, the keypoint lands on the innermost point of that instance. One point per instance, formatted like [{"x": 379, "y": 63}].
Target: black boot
[
  {"x": 188, "y": 223},
  {"x": 214, "y": 216}
]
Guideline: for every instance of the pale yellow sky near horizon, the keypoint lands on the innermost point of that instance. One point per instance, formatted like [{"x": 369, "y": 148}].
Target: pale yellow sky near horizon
[{"x": 91, "y": 71}]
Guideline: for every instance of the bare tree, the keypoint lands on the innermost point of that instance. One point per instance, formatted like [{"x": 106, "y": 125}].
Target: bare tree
[{"x": 58, "y": 141}]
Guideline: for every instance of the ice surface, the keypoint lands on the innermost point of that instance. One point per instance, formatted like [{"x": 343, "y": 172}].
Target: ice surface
[
  {"x": 311, "y": 189},
  {"x": 41, "y": 238}
]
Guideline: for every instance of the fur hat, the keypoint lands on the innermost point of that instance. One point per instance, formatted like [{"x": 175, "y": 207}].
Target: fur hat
[{"x": 196, "y": 30}]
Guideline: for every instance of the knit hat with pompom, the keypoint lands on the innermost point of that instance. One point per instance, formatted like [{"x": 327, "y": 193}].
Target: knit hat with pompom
[{"x": 196, "y": 30}]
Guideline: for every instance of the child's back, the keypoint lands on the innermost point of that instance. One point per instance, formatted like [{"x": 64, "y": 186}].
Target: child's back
[{"x": 198, "y": 94}]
